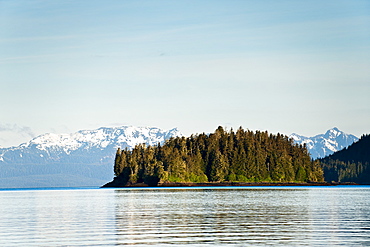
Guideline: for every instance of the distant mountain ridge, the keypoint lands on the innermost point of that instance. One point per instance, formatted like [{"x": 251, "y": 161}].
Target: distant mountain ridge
[
  {"x": 87, "y": 156},
  {"x": 323, "y": 145}
]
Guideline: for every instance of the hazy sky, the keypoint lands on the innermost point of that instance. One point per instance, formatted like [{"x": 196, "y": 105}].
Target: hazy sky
[{"x": 281, "y": 66}]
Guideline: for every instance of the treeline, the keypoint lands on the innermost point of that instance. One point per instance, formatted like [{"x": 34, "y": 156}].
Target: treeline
[
  {"x": 351, "y": 164},
  {"x": 241, "y": 156}
]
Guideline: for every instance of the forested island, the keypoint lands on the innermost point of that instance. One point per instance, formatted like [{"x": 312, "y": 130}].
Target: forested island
[{"x": 222, "y": 157}]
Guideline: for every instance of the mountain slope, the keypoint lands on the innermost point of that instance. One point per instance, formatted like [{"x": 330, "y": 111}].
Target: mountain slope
[
  {"x": 351, "y": 164},
  {"x": 86, "y": 156},
  {"x": 323, "y": 145}
]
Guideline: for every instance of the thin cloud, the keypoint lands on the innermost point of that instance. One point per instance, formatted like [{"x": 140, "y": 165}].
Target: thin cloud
[
  {"x": 40, "y": 38},
  {"x": 21, "y": 130}
]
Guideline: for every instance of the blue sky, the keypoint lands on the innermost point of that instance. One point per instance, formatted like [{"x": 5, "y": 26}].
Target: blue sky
[{"x": 281, "y": 66}]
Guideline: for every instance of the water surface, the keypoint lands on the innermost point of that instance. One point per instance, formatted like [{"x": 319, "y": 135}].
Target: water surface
[{"x": 234, "y": 216}]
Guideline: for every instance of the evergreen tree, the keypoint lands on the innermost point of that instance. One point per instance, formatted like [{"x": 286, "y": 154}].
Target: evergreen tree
[{"x": 351, "y": 164}]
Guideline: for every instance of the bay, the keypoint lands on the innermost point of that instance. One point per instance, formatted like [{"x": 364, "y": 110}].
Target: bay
[{"x": 196, "y": 216}]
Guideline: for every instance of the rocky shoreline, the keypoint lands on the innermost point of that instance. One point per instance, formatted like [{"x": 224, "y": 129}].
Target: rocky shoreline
[{"x": 223, "y": 184}]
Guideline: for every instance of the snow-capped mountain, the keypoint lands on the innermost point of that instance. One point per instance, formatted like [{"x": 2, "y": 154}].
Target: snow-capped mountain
[
  {"x": 84, "y": 158},
  {"x": 323, "y": 145}
]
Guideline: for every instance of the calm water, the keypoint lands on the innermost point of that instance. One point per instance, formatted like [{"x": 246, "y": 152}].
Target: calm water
[{"x": 242, "y": 216}]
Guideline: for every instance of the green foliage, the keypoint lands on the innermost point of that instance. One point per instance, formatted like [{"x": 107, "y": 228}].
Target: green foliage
[
  {"x": 244, "y": 156},
  {"x": 117, "y": 163},
  {"x": 301, "y": 174},
  {"x": 351, "y": 164}
]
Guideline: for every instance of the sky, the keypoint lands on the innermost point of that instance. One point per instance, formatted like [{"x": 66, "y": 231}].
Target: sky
[{"x": 282, "y": 66}]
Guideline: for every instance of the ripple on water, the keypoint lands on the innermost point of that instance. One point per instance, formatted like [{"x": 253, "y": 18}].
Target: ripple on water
[{"x": 306, "y": 216}]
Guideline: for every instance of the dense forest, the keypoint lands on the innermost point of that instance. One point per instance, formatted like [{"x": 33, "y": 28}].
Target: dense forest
[
  {"x": 241, "y": 156},
  {"x": 351, "y": 164}
]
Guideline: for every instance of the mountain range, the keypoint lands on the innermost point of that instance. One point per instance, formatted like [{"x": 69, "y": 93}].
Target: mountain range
[
  {"x": 86, "y": 158},
  {"x": 323, "y": 145}
]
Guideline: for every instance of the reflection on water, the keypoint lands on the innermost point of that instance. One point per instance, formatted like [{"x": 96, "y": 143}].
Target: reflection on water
[
  {"x": 56, "y": 218},
  {"x": 266, "y": 216},
  {"x": 275, "y": 216}
]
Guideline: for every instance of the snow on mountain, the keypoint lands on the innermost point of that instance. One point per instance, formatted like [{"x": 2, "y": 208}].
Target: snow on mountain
[
  {"x": 323, "y": 145},
  {"x": 86, "y": 158},
  {"x": 126, "y": 136},
  {"x": 86, "y": 154}
]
